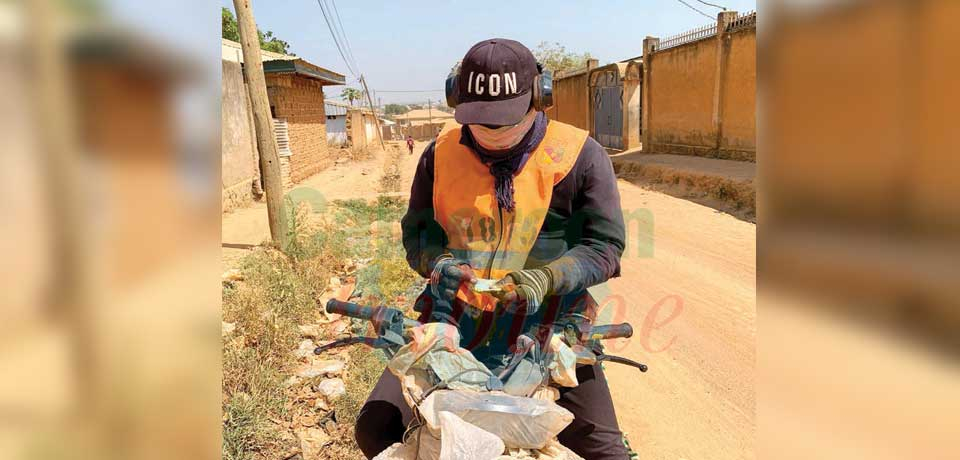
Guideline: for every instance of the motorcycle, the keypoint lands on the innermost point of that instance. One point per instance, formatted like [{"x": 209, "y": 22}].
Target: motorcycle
[{"x": 467, "y": 411}]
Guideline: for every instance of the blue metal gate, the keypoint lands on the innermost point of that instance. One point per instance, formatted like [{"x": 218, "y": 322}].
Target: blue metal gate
[{"x": 608, "y": 111}]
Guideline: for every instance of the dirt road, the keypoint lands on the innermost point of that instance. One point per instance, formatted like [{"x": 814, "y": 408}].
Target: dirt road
[
  {"x": 247, "y": 227},
  {"x": 697, "y": 400},
  {"x": 696, "y": 295}
]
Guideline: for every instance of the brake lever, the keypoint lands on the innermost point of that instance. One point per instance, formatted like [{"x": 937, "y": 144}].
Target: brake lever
[
  {"x": 621, "y": 360},
  {"x": 369, "y": 341}
]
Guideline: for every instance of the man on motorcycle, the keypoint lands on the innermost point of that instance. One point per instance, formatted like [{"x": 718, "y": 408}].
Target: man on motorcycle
[{"x": 513, "y": 196}]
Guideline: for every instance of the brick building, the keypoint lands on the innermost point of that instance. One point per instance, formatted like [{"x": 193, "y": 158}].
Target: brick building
[{"x": 295, "y": 92}]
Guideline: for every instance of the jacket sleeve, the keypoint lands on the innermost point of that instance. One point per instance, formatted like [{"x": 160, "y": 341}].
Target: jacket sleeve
[
  {"x": 595, "y": 230},
  {"x": 423, "y": 238}
]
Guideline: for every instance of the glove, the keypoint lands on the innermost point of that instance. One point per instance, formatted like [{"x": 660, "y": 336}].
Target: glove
[
  {"x": 525, "y": 288},
  {"x": 447, "y": 275}
]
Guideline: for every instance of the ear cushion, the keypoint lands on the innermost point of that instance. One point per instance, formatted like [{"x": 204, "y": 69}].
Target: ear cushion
[
  {"x": 545, "y": 88},
  {"x": 537, "y": 97},
  {"x": 452, "y": 89}
]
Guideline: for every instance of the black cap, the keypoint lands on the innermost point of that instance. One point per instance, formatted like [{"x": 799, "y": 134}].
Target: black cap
[{"x": 495, "y": 83}]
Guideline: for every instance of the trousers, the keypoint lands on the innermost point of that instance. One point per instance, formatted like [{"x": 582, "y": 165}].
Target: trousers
[{"x": 594, "y": 433}]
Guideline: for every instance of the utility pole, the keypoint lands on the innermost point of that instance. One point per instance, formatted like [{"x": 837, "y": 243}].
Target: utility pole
[
  {"x": 74, "y": 295},
  {"x": 429, "y": 114},
  {"x": 266, "y": 143},
  {"x": 376, "y": 120}
]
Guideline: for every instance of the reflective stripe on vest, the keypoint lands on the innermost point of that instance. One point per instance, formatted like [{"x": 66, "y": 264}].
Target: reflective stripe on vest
[{"x": 494, "y": 240}]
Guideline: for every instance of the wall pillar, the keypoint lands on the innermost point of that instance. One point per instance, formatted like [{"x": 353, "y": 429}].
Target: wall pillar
[
  {"x": 588, "y": 106},
  {"x": 649, "y": 45},
  {"x": 724, "y": 18},
  {"x": 631, "y": 106}
]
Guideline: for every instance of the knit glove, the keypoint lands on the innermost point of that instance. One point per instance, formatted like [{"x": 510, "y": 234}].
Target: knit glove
[
  {"x": 525, "y": 289},
  {"x": 446, "y": 276}
]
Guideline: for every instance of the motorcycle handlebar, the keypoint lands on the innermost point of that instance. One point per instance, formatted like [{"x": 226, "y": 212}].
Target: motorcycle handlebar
[
  {"x": 611, "y": 331},
  {"x": 351, "y": 309},
  {"x": 604, "y": 332}
]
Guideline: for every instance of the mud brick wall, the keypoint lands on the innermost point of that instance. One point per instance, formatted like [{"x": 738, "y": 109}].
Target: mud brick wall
[{"x": 299, "y": 100}]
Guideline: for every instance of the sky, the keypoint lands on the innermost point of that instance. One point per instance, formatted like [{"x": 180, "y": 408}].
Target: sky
[{"x": 411, "y": 45}]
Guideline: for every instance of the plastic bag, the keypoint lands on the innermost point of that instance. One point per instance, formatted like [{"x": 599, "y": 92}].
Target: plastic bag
[
  {"x": 563, "y": 366},
  {"x": 460, "y": 440},
  {"x": 429, "y": 448},
  {"x": 434, "y": 355},
  {"x": 520, "y": 422},
  {"x": 397, "y": 451}
]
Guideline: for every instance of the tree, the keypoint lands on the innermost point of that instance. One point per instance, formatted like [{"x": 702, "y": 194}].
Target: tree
[
  {"x": 351, "y": 94},
  {"x": 555, "y": 57},
  {"x": 228, "y": 25},
  {"x": 270, "y": 43},
  {"x": 395, "y": 109},
  {"x": 231, "y": 31}
]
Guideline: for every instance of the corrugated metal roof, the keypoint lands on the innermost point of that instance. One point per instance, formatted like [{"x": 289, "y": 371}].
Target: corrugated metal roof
[
  {"x": 303, "y": 68},
  {"x": 333, "y": 109},
  {"x": 281, "y": 63}
]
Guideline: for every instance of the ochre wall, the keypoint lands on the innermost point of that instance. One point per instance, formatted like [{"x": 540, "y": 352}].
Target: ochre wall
[
  {"x": 361, "y": 128},
  {"x": 570, "y": 100},
  {"x": 739, "y": 91},
  {"x": 238, "y": 150},
  {"x": 687, "y": 115},
  {"x": 870, "y": 145},
  {"x": 682, "y": 83},
  {"x": 299, "y": 100}
]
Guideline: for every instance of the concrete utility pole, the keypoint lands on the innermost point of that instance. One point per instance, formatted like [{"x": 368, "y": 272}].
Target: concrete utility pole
[
  {"x": 429, "y": 114},
  {"x": 266, "y": 143},
  {"x": 376, "y": 120}
]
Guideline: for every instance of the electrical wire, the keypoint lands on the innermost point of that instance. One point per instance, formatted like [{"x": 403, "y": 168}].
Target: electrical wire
[
  {"x": 343, "y": 34},
  {"x": 695, "y": 9},
  {"x": 336, "y": 41},
  {"x": 713, "y": 5}
]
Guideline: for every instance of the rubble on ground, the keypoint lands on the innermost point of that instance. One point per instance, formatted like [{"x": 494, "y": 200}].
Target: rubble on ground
[
  {"x": 331, "y": 388},
  {"x": 320, "y": 368}
]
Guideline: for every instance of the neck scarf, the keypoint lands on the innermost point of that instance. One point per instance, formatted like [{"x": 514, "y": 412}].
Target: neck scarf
[{"x": 506, "y": 164}]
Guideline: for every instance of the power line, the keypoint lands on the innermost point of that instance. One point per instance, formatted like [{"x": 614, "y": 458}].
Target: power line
[
  {"x": 695, "y": 9},
  {"x": 336, "y": 41},
  {"x": 713, "y": 5},
  {"x": 343, "y": 33}
]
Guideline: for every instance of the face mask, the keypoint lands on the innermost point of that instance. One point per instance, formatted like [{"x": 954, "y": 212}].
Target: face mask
[{"x": 504, "y": 137}]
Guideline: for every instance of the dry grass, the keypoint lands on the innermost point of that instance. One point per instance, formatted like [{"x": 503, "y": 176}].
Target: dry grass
[
  {"x": 280, "y": 291},
  {"x": 735, "y": 197},
  {"x": 390, "y": 180},
  {"x": 266, "y": 309}
]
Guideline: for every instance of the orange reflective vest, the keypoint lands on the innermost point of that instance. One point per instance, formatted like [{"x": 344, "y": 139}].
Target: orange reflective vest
[{"x": 493, "y": 240}]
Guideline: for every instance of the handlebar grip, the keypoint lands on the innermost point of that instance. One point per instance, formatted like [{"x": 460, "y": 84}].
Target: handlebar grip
[
  {"x": 611, "y": 331},
  {"x": 350, "y": 309}
]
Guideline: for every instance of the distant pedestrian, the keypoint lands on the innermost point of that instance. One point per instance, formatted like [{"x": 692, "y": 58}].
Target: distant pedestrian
[{"x": 410, "y": 143}]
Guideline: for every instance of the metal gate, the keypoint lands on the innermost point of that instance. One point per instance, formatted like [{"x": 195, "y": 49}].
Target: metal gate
[{"x": 608, "y": 110}]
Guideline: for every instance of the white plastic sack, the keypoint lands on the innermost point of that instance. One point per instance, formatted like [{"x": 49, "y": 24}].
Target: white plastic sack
[
  {"x": 520, "y": 422},
  {"x": 460, "y": 440},
  {"x": 429, "y": 448},
  {"x": 563, "y": 367},
  {"x": 397, "y": 451},
  {"x": 436, "y": 347}
]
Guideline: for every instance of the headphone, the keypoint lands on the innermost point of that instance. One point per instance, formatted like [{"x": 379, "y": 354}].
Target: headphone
[{"x": 542, "y": 88}]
